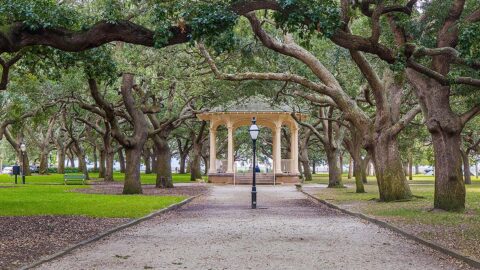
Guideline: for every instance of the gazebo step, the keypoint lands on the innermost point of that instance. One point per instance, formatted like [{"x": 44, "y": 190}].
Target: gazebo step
[{"x": 247, "y": 179}]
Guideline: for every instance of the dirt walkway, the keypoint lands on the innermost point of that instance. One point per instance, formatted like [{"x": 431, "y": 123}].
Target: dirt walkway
[{"x": 219, "y": 231}]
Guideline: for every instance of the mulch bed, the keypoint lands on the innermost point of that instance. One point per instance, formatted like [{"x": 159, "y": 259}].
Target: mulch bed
[
  {"x": 179, "y": 189},
  {"x": 24, "y": 240}
]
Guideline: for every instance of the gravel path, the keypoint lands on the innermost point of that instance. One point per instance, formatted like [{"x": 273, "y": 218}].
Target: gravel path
[{"x": 219, "y": 231}]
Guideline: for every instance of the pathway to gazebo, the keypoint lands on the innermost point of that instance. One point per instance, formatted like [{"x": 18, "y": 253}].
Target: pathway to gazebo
[{"x": 220, "y": 231}]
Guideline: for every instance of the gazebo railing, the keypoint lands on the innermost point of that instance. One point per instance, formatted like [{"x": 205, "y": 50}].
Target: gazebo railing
[
  {"x": 222, "y": 165},
  {"x": 287, "y": 165}
]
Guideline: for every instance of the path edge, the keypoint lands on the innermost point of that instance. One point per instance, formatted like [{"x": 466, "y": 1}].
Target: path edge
[
  {"x": 107, "y": 233},
  {"x": 468, "y": 260}
]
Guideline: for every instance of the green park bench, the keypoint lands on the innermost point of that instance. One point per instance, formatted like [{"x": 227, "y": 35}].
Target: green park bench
[{"x": 73, "y": 178}]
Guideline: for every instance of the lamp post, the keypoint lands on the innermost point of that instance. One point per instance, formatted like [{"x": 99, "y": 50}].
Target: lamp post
[
  {"x": 253, "y": 130},
  {"x": 23, "y": 149}
]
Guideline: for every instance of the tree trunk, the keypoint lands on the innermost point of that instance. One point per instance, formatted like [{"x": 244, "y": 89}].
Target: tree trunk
[
  {"x": 72, "y": 159},
  {"x": 410, "y": 167},
  {"x": 101, "y": 168},
  {"x": 43, "y": 168},
  {"x": 449, "y": 185},
  {"x": 154, "y": 161},
  {"x": 417, "y": 169},
  {"x": 476, "y": 169},
  {"x": 314, "y": 167},
  {"x": 303, "y": 157},
  {"x": 163, "y": 165},
  {"x": 205, "y": 161},
  {"x": 82, "y": 164},
  {"x": 183, "y": 160},
  {"x": 146, "y": 160},
  {"x": 466, "y": 168},
  {"x": 358, "y": 170},
  {"x": 61, "y": 160},
  {"x": 25, "y": 166},
  {"x": 350, "y": 168},
  {"x": 334, "y": 171},
  {"x": 195, "y": 171},
  {"x": 364, "y": 167},
  {"x": 341, "y": 162},
  {"x": 121, "y": 160},
  {"x": 300, "y": 171},
  {"x": 132, "y": 183},
  {"x": 389, "y": 171},
  {"x": 95, "y": 159},
  {"x": 307, "y": 173},
  {"x": 189, "y": 165},
  {"x": 109, "y": 157},
  {"x": 445, "y": 128}
]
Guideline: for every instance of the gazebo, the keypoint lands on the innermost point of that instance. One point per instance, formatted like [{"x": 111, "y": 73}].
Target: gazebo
[{"x": 239, "y": 114}]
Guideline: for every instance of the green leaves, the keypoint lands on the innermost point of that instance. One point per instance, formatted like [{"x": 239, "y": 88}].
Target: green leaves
[
  {"x": 212, "y": 23},
  {"x": 37, "y": 14},
  {"x": 307, "y": 17},
  {"x": 111, "y": 10},
  {"x": 469, "y": 41}
]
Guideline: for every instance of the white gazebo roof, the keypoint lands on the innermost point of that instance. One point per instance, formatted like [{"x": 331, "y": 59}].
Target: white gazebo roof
[
  {"x": 253, "y": 104},
  {"x": 240, "y": 113}
]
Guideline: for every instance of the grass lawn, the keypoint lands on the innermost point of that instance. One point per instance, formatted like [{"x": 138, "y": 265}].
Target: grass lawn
[
  {"x": 460, "y": 231},
  {"x": 30, "y": 200},
  {"x": 58, "y": 178},
  {"x": 46, "y": 195}
]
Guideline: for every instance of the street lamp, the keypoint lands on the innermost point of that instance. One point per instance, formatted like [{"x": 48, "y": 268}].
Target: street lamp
[
  {"x": 253, "y": 130},
  {"x": 23, "y": 149}
]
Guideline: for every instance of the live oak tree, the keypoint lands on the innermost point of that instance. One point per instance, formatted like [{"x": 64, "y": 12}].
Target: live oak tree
[
  {"x": 429, "y": 57},
  {"x": 303, "y": 147},
  {"x": 183, "y": 149},
  {"x": 107, "y": 150},
  {"x": 330, "y": 133},
  {"x": 470, "y": 146},
  {"x": 438, "y": 55},
  {"x": 198, "y": 138},
  {"x": 133, "y": 143},
  {"x": 174, "y": 94},
  {"x": 77, "y": 136},
  {"x": 43, "y": 133}
]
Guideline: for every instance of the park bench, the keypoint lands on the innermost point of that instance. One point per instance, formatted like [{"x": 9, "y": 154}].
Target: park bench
[{"x": 73, "y": 178}]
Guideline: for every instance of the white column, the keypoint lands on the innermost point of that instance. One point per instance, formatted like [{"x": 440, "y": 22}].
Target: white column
[
  {"x": 230, "y": 148},
  {"x": 294, "y": 149},
  {"x": 277, "y": 147},
  {"x": 213, "y": 150}
]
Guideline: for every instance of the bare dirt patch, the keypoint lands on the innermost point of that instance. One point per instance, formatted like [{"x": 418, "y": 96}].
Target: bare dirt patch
[
  {"x": 26, "y": 239},
  {"x": 178, "y": 190}
]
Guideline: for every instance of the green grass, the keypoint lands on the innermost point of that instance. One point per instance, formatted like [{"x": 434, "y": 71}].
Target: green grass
[
  {"x": 417, "y": 212},
  {"x": 30, "y": 200},
  {"x": 58, "y": 178},
  {"x": 46, "y": 195}
]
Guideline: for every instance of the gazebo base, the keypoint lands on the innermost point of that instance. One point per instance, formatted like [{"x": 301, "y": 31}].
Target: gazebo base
[
  {"x": 246, "y": 179},
  {"x": 220, "y": 178}
]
